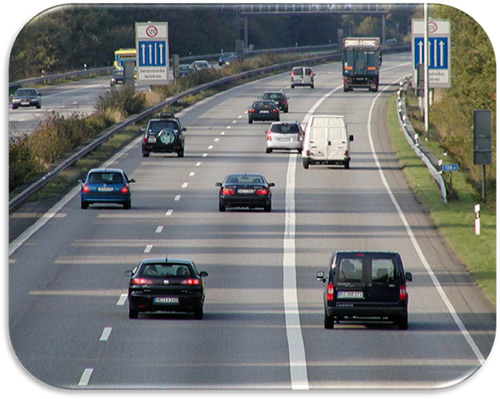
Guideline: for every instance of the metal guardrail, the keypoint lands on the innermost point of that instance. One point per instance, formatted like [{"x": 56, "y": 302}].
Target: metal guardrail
[
  {"x": 106, "y": 134},
  {"x": 415, "y": 143}
]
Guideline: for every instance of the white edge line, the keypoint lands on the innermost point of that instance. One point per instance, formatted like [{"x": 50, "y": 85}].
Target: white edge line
[{"x": 416, "y": 246}]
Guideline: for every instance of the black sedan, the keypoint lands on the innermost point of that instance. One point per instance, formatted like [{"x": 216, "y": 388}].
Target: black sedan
[
  {"x": 26, "y": 97},
  {"x": 263, "y": 110},
  {"x": 166, "y": 285},
  {"x": 245, "y": 190}
]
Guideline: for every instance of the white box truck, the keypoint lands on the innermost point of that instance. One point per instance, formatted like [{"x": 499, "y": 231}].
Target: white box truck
[{"x": 326, "y": 142}]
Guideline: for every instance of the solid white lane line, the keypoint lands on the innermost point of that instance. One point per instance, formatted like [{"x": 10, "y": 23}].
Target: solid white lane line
[
  {"x": 296, "y": 350},
  {"x": 122, "y": 300},
  {"x": 159, "y": 229},
  {"x": 416, "y": 246},
  {"x": 148, "y": 249},
  {"x": 105, "y": 334},
  {"x": 85, "y": 378}
]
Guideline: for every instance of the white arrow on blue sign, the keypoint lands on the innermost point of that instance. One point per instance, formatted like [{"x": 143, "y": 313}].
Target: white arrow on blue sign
[
  {"x": 438, "y": 52},
  {"x": 152, "y": 54}
]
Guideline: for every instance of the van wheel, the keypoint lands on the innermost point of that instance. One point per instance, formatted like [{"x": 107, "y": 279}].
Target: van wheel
[
  {"x": 347, "y": 164},
  {"x": 312, "y": 86},
  {"x": 269, "y": 150},
  {"x": 328, "y": 322},
  {"x": 402, "y": 322},
  {"x": 293, "y": 87},
  {"x": 305, "y": 163}
]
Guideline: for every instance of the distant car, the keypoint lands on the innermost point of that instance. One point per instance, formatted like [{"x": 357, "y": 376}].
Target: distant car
[
  {"x": 365, "y": 286},
  {"x": 279, "y": 98},
  {"x": 163, "y": 134},
  {"x": 284, "y": 136},
  {"x": 26, "y": 97},
  {"x": 302, "y": 76},
  {"x": 166, "y": 285},
  {"x": 245, "y": 190},
  {"x": 103, "y": 185},
  {"x": 263, "y": 110},
  {"x": 200, "y": 65},
  {"x": 116, "y": 78},
  {"x": 184, "y": 69},
  {"x": 230, "y": 60},
  {"x": 223, "y": 58}
]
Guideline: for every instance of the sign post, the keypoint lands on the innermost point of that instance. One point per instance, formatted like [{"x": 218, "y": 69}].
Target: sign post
[{"x": 151, "y": 43}]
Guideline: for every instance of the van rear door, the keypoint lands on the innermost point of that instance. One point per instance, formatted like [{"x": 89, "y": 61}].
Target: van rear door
[
  {"x": 382, "y": 281},
  {"x": 337, "y": 143},
  {"x": 318, "y": 138}
]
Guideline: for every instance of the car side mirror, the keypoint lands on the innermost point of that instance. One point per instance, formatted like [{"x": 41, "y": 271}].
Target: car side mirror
[
  {"x": 131, "y": 181},
  {"x": 271, "y": 184},
  {"x": 218, "y": 184},
  {"x": 408, "y": 276},
  {"x": 184, "y": 129},
  {"x": 320, "y": 276},
  {"x": 128, "y": 273},
  {"x": 203, "y": 274},
  {"x": 351, "y": 138}
]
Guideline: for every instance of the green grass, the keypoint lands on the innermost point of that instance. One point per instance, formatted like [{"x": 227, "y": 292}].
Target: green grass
[{"x": 453, "y": 219}]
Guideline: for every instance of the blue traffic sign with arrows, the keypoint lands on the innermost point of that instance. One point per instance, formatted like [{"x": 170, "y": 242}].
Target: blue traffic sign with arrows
[
  {"x": 438, "y": 52},
  {"x": 152, "y": 53}
]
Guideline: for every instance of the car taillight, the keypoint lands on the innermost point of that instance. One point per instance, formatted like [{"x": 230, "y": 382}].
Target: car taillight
[
  {"x": 276, "y": 110},
  {"x": 261, "y": 191},
  {"x": 269, "y": 136},
  {"x": 124, "y": 189},
  {"x": 402, "y": 293},
  {"x": 141, "y": 281},
  {"x": 251, "y": 111},
  {"x": 310, "y": 72},
  {"x": 227, "y": 191},
  {"x": 329, "y": 292},
  {"x": 292, "y": 74},
  {"x": 85, "y": 188},
  {"x": 190, "y": 281},
  {"x": 145, "y": 139}
]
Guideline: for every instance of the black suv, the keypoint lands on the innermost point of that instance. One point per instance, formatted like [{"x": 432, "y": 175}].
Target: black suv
[
  {"x": 163, "y": 134},
  {"x": 366, "y": 286},
  {"x": 279, "y": 98}
]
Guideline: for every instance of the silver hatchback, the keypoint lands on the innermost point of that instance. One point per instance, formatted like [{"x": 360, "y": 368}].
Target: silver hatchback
[{"x": 284, "y": 136}]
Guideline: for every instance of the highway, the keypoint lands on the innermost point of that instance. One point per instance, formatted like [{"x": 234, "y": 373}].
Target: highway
[
  {"x": 263, "y": 324},
  {"x": 78, "y": 97}
]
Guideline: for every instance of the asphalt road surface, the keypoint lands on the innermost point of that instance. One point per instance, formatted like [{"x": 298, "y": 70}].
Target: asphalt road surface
[{"x": 263, "y": 325}]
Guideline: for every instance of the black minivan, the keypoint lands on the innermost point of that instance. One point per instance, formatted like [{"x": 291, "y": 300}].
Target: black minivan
[{"x": 365, "y": 286}]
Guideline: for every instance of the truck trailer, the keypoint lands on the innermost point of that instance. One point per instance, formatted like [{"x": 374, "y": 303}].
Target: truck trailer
[{"x": 361, "y": 61}]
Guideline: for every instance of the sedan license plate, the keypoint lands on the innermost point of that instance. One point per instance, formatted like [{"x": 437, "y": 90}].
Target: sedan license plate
[
  {"x": 166, "y": 300},
  {"x": 105, "y": 189},
  {"x": 151, "y": 139},
  {"x": 350, "y": 295},
  {"x": 245, "y": 191},
  {"x": 264, "y": 111}
]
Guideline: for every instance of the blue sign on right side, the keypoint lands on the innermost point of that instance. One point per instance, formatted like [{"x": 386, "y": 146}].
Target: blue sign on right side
[
  {"x": 438, "y": 52},
  {"x": 452, "y": 167}
]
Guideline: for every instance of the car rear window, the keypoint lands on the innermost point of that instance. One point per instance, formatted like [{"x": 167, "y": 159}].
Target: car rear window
[
  {"x": 285, "y": 128},
  {"x": 273, "y": 96},
  {"x": 157, "y": 126},
  {"x": 297, "y": 71},
  {"x": 105, "y": 177},
  {"x": 244, "y": 179},
  {"x": 383, "y": 270},
  {"x": 309, "y": 71},
  {"x": 165, "y": 270},
  {"x": 350, "y": 270}
]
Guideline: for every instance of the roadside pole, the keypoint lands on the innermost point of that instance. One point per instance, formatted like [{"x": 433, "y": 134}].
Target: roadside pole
[{"x": 426, "y": 72}]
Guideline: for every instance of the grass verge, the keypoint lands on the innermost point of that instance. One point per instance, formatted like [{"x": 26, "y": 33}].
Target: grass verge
[{"x": 454, "y": 219}]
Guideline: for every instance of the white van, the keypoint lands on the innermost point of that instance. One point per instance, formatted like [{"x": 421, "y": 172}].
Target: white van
[
  {"x": 302, "y": 76},
  {"x": 326, "y": 141}
]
